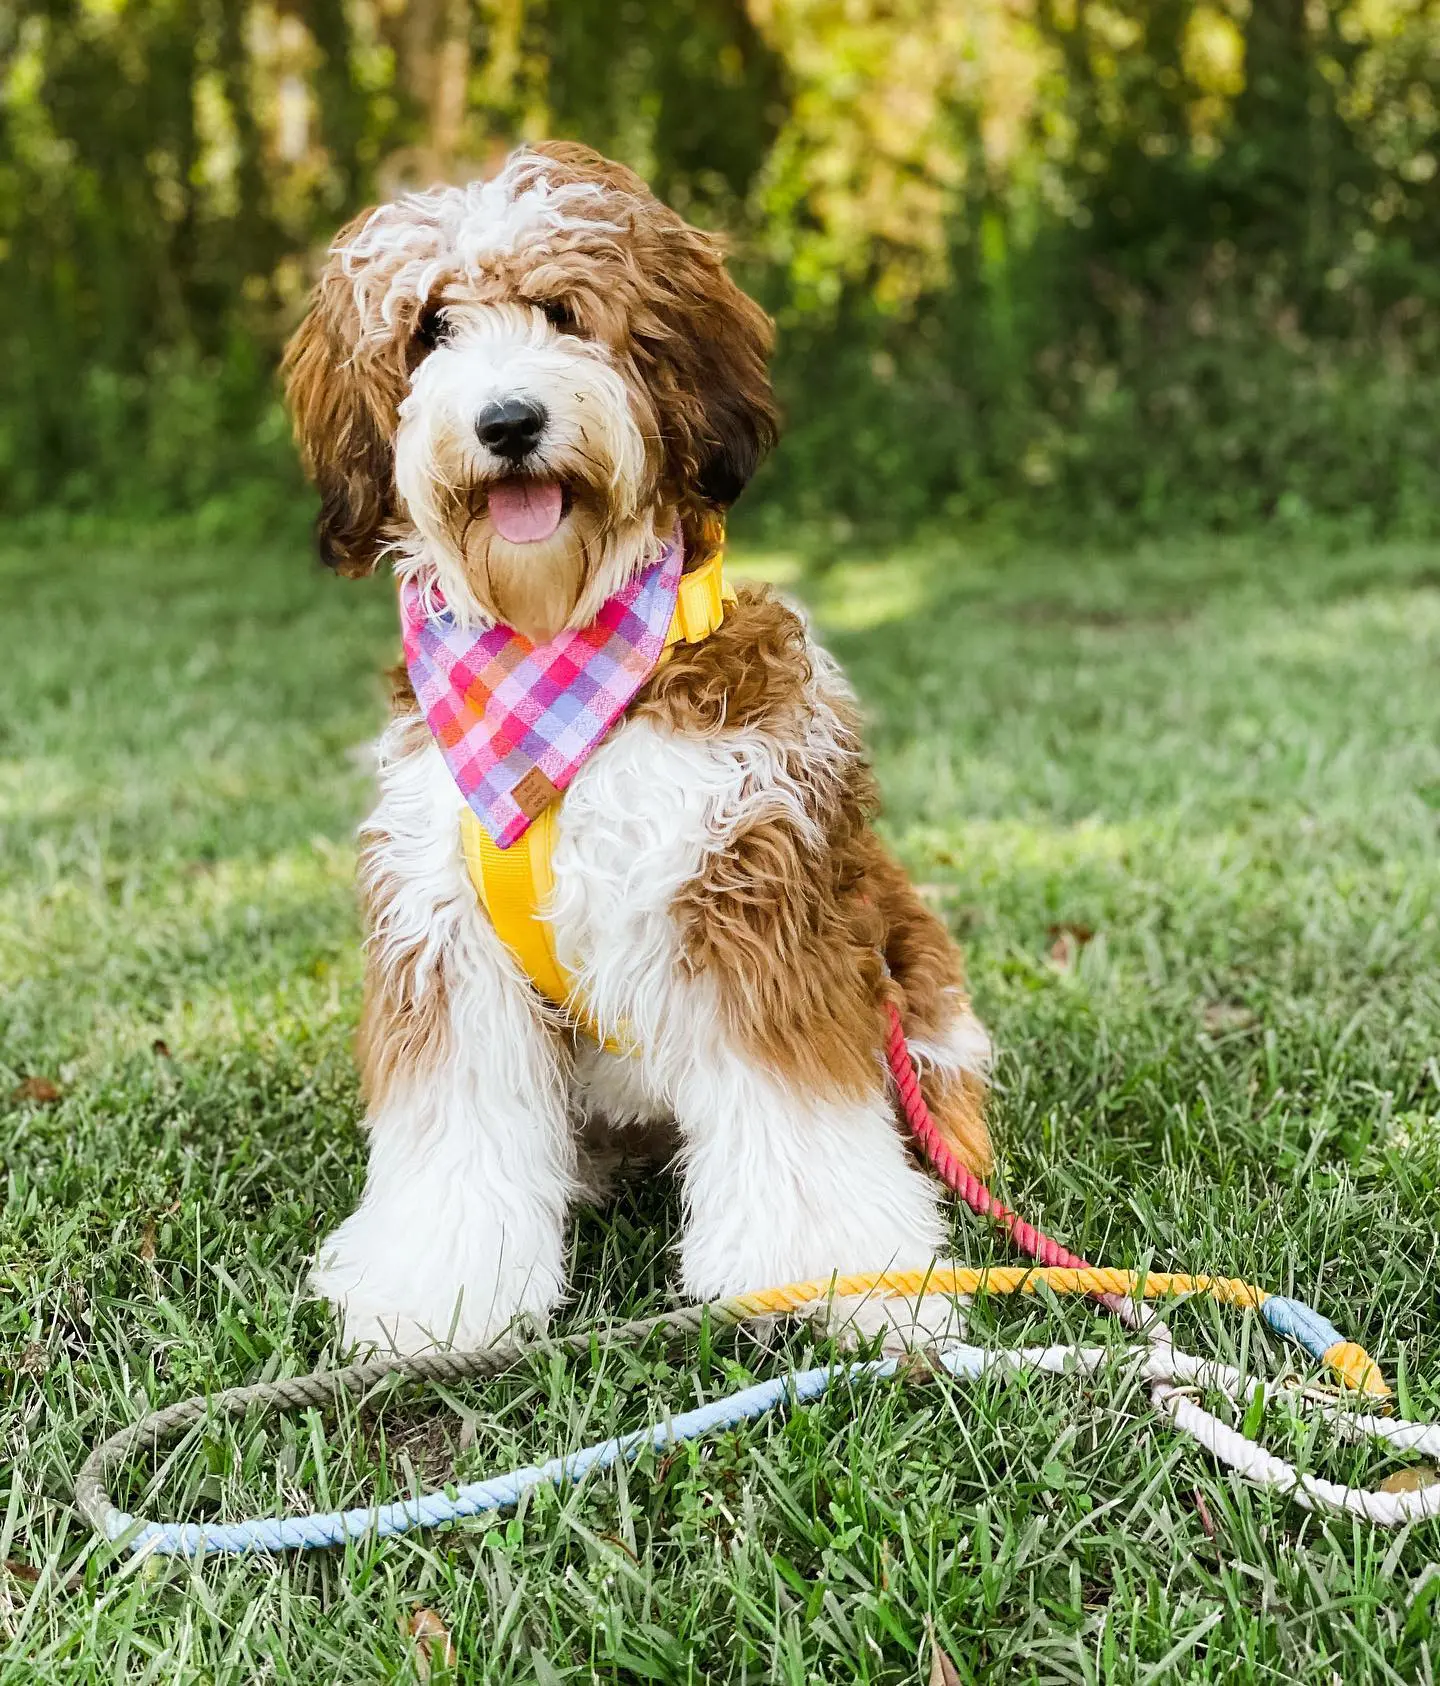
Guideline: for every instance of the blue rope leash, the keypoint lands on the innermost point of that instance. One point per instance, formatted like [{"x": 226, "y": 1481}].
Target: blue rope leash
[
  {"x": 1287, "y": 1317},
  {"x": 330, "y": 1528},
  {"x": 1294, "y": 1318}
]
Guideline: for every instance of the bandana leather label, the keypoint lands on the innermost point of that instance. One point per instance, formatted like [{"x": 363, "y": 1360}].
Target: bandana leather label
[{"x": 515, "y": 721}]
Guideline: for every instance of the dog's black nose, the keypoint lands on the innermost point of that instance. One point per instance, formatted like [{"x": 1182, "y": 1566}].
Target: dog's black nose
[{"x": 510, "y": 427}]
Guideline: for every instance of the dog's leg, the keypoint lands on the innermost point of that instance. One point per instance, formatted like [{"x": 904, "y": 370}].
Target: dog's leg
[
  {"x": 461, "y": 1226},
  {"x": 784, "y": 1187}
]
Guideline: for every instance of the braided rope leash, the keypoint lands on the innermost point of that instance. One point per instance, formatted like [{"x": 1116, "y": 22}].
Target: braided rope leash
[
  {"x": 1350, "y": 1363},
  {"x": 1169, "y": 1372}
]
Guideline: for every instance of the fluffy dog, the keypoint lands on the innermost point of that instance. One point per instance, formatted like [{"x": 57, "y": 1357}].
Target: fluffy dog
[{"x": 516, "y": 391}]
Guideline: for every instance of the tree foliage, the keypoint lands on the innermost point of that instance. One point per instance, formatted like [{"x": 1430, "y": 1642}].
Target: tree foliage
[{"x": 1117, "y": 260}]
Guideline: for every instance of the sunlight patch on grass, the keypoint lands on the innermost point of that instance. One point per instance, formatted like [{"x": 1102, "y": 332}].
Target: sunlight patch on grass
[
  {"x": 782, "y": 568},
  {"x": 39, "y": 787},
  {"x": 871, "y": 595}
]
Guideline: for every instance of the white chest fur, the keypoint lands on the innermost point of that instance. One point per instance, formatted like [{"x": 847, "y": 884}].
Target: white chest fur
[{"x": 634, "y": 829}]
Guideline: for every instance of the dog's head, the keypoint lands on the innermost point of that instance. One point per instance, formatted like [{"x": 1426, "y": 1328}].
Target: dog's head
[{"x": 523, "y": 384}]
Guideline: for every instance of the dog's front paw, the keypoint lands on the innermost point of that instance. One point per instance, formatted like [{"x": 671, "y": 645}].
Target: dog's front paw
[{"x": 395, "y": 1300}]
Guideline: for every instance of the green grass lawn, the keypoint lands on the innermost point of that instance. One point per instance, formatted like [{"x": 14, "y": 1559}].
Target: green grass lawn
[{"x": 1221, "y": 760}]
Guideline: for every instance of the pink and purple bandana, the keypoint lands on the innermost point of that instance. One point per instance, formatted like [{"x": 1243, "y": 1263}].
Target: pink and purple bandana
[{"x": 515, "y": 721}]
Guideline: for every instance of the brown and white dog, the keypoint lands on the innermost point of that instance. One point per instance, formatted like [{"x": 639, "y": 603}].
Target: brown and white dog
[{"x": 559, "y": 342}]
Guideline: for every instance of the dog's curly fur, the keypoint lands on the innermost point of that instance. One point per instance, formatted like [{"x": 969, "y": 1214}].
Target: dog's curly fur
[{"x": 719, "y": 888}]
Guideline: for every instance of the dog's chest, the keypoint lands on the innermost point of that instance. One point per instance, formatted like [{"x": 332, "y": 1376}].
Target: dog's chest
[
  {"x": 634, "y": 832},
  {"x": 639, "y": 825}
]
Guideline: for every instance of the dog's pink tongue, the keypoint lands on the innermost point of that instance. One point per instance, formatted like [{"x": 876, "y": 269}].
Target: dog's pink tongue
[{"x": 525, "y": 511}]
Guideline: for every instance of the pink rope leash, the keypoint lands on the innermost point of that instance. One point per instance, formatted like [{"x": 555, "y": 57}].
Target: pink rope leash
[
  {"x": 947, "y": 1165},
  {"x": 972, "y": 1191}
]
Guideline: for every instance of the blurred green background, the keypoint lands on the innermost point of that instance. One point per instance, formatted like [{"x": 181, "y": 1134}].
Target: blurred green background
[{"x": 1116, "y": 267}]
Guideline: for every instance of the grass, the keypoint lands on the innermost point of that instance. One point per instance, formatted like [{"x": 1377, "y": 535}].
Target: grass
[{"x": 1219, "y": 760}]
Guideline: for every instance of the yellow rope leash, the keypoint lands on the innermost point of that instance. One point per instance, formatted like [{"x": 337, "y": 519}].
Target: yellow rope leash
[{"x": 1350, "y": 1363}]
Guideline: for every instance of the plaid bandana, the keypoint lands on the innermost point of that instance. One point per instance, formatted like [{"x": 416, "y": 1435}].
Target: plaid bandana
[{"x": 515, "y": 720}]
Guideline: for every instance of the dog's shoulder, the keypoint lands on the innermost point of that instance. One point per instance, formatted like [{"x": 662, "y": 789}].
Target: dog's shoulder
[{"x": 755, "y": 672}]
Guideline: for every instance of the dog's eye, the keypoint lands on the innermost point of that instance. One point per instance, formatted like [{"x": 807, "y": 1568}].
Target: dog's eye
[
  {"x": 560, "y": 316},
  {"x": 432, "y": 329}
]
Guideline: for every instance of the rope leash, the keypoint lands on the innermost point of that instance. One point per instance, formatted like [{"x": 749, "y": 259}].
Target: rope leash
[
  {"x": 1114, "y": 1289},
  {"x": 1156, "y": 1360}
]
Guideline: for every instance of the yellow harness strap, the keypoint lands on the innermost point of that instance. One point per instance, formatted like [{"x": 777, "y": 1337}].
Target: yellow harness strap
[{"x": 515, "y": 884}]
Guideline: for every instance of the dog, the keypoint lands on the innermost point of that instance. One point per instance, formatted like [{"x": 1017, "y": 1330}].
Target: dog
[{"x": 518, "y": 393}]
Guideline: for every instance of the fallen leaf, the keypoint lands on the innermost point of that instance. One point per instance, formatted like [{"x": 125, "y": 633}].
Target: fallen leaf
[
  {"x": 1203, "y": 1511},
  {"x": 1066, "y": 927},
  {"x": 943, "y": 1671},
  {"x": 1221, "y": 1018},
  {"x": 1066, "y": 941},
  {"x": 31, "y": 1577},
  {"x": 147, "y": 1243},
  {"x": 33, "y": 1360},
  {"x": 162, "y": 1047},
  {"x": 431, "y": 1639},
  {"x": 919, "y": 1364},
  {"x": 40, "y": 1090},
  {"x": 1411, "y": 1480}
]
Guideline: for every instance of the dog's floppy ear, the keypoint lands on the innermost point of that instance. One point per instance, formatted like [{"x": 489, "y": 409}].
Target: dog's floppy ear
[
  {"x": 740, "y": 421},
  {"x": 343, "y": 407},
  {"x": 720, "y": 347}
]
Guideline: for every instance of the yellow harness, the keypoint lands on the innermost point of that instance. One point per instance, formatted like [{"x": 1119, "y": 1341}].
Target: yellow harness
[{"x": 515, "y": 884}]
